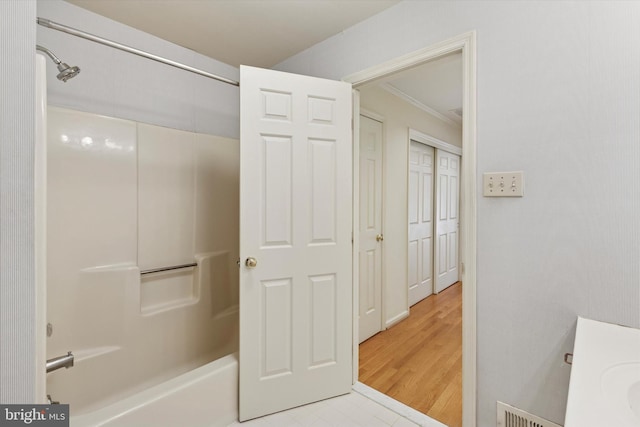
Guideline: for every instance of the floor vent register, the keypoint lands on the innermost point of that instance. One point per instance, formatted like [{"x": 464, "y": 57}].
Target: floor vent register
[{"x": 508, "y": 416}]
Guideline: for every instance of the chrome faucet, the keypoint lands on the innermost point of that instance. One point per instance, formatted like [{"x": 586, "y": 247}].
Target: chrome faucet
[{"x": 60, "y": 362}]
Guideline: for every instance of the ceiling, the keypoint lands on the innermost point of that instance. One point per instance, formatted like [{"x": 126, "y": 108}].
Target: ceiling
[
  {"x": 435, "y": 87},
  {"x": 263, "y": 33}
]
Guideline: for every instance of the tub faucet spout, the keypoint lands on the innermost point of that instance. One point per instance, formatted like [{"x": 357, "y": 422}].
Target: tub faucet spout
[{"x": 60, "y": 362}]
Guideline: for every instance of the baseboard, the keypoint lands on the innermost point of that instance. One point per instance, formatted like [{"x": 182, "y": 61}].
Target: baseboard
[{"x": 398, "y": 318}]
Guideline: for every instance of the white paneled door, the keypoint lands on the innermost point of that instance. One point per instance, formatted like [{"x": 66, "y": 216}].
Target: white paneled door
[
  {"x": 447, "y": 219},
  {"x": 295, "y": 240},
  {"x": 420, "y": 222},
  {"x": 370, "y": 248}
]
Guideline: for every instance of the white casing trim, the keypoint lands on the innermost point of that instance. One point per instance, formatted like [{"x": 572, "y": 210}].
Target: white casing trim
[
  {"x": 372, "y": 115},
  {"x": 415, "y": 135}
]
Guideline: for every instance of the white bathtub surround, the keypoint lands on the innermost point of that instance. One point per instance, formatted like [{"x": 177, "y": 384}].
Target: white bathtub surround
[
  {"x": 122, "y": 197},
  {"x": 364, "y": 407},
  {"x": 605, "y": 376}
]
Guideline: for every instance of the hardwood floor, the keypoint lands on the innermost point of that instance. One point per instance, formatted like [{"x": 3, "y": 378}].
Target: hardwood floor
[{"x": 419, "y": 361}]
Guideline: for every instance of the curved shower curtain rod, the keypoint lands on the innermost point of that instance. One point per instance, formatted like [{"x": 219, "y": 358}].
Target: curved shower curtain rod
[{"x": 75, "y": 32}]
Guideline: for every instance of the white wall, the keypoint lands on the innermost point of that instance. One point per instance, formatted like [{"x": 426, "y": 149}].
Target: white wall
[
  {"x": 17, "y": 263},
  {"x": 558, "y": 97},
  {"x": 399, "y": 116},
  {"x": 122, "y": 85}
]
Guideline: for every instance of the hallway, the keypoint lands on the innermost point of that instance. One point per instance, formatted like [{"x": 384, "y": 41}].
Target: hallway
[{"x": 419, "y": 361}]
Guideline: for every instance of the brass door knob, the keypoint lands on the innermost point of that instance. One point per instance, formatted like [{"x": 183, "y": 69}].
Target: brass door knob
[
  {"x": 251, "y": 262},
  {"x": 379, "y": 238}
]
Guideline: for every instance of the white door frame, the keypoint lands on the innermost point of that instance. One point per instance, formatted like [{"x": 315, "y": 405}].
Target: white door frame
[
  {"x": 423, "y": 138},
  {"x": 466, "y": 44}
]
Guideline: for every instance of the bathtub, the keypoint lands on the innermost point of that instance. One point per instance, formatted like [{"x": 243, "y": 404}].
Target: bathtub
[
  {"x": 151, "y": 348},
  {"x": 206, "y": 396}
]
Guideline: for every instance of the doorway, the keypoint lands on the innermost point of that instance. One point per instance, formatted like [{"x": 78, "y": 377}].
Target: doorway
[
  {"x": 396, "y": 245},
  {"x": 417, "y": 361}
]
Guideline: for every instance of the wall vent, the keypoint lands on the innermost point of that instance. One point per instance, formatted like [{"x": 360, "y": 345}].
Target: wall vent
[{"x": 508, "y": 416}]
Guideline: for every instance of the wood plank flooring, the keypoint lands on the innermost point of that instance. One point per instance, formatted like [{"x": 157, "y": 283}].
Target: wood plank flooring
[{"x": 419, "y": 361}]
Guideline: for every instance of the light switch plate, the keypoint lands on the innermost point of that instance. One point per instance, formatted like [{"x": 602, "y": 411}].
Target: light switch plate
[{"x": 503, "y": 184}]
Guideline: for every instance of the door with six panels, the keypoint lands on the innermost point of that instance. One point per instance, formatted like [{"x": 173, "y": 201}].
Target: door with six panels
[
  {"x": 295, "y": 241},
  {"x": 420, "y": 251},
  {"x": 447, "y": 219},
  {"x": 370, "y": 248}
]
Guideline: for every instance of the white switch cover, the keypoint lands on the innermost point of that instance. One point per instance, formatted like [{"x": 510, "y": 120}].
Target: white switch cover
[{"x": 503, "y": 184}]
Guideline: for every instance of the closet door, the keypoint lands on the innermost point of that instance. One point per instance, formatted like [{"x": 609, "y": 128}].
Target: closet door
[
  {"x": 447, "y": 219},
  {"x": 420, "y": 222},
  {"x": 295, "y": 241}
]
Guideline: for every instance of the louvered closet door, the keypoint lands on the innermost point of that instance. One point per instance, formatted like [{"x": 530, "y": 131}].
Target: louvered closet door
[{"x": 296, "y": 216}]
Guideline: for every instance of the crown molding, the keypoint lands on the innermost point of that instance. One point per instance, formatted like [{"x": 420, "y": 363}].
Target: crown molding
[{"x": 411, "y": 100}]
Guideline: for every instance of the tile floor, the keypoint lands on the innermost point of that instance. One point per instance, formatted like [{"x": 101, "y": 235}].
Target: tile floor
[{"x": 351, "y": 410}]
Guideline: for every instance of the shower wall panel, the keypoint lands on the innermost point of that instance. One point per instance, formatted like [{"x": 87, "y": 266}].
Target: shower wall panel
[{"x": 124, "y": 197}]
